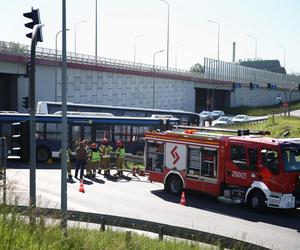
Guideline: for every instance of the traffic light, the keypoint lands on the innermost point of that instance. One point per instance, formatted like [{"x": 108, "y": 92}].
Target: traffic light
[
  {"x": 251, "y": 85},
  {"x": 25, "y": 102},
  {"x": 35, "y": 16},
  {"x": 299, "y": 86}
]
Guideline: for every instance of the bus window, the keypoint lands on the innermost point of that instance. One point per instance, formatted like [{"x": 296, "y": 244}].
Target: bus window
[
  {"x": 53, "y": 131},
  {"x": 122, "y": 133},
  {"x": 76, "y": 133},
  {"x": 40, "y": 131},
  {"x": 87, "y": 133},
  {"x": 137, "y": 133}
]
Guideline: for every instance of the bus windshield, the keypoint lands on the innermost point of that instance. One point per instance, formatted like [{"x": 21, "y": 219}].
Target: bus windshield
[{"x": 291, "y": 157}]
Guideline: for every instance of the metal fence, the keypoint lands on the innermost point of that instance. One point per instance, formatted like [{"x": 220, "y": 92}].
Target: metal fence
[
  {"x": 56, "y": 55},
  {"x": 233, "y": 72},
  {"x": 213, "y": 69},
  {"x": 148, "y": 226}
]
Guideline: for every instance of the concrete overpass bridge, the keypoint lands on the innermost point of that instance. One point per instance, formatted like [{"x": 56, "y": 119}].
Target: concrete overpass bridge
[{"x": 123, "y": 83}]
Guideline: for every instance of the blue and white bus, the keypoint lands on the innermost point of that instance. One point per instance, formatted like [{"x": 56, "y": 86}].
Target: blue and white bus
[
  {"x": 92, "y": 127},
  {"x": 185, "y": 117}
]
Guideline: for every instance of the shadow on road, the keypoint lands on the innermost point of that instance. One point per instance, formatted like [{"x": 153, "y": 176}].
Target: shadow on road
[{"x": 283, "y": 218}]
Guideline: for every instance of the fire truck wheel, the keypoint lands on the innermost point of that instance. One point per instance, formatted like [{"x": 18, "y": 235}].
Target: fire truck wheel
[
  {"x": 258, "y": 201},
  {"x": 174, "y": 185}
]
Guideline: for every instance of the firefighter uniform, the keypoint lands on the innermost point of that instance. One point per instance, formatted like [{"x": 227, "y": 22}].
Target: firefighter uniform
[
  {"x": 120, "y": 157},
  {"x": 88, "y": 159},
  {"x": 105, "y": 151},
  {"x": 69, "y": 164},
  {"x": 94, "y": 160}
]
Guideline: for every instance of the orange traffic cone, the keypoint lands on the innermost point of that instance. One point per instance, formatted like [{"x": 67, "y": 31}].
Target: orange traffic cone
[
  {"x": 182, "y": 199},
  {"x": 81, "y": 188}
]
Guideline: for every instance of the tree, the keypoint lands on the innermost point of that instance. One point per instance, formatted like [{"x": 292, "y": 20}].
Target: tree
[{"x": 197, "y": 68}]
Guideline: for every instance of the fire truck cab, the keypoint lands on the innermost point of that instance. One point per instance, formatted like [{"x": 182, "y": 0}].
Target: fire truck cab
[{"x": 247, "y": 167}]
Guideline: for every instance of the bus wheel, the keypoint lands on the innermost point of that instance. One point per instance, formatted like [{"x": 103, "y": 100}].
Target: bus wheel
[
  {"x": 42, "y": 154},
  {"x": 174, "y": 185},
  {"x": 258, "y": 201}
]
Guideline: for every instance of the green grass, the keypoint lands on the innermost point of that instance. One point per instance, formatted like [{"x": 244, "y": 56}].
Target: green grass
[
  {"x": 277, "y": 128},
  {"x": 259, "y": 111},
  {"x": 16, "y": 233}
]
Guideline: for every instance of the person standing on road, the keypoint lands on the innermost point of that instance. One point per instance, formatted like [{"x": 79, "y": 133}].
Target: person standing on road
[
  {"x": 120, "y": 157},
  {"x": 82, "y": 156},
  {"x": 94, "y": 160},
  {"x": 105, "y": 151}
]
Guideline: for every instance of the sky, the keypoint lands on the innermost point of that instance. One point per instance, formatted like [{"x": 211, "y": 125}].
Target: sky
[{"x": 142, "y": 24}]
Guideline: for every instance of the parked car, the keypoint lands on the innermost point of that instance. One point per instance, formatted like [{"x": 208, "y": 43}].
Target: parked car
[
  {"x": 240, "y": 118},
  {"x": 205, "y": 115},
  {"x": 221, "y": 121},
  {"x": 216, "y": 114}
]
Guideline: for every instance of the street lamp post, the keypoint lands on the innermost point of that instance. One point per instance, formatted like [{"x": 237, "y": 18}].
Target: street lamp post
[
  {"x": 283, "y": 48},
  {"x": 181, "y": 45},
  {"x": 153, "y": 79},
  {"x": 255, "y": 39},
  {"x": 75, "y": 33},
  {"x": 168, "y": 31},
  {"x": 212, "y": 21},
  {"x": 134, "y": 50},
  {"x": 56, "y": 62}
]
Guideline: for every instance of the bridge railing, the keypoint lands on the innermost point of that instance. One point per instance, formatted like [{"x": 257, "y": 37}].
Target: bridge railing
[
  {"x": 213, "y": 69},
  {"x": 52, "y": 54}
]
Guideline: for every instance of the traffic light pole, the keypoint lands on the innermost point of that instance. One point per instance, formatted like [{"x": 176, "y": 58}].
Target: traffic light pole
[{"x": 32, "y": 109}]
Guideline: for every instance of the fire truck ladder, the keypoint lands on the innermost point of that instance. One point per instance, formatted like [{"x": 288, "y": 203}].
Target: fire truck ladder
[{"x": 239, "y": 132}]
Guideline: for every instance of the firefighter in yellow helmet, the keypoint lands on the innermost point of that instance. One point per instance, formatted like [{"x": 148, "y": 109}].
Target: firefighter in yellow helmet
[
  {"x": 104, "y": 152},
  {"x": 94, "y": 160},
  {"x": 120, "y": 157}
]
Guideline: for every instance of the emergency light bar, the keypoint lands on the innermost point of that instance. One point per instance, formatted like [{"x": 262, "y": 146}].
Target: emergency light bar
[{"x": 239, "y": 132}]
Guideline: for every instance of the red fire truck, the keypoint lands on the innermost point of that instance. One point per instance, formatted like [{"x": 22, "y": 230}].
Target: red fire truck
[{"x": 245, "y": 167}]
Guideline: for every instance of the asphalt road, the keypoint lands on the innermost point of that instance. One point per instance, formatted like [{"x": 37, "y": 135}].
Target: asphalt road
[
  {"x": 137, "y": 198},
  {"x": 295, "y": 113}
]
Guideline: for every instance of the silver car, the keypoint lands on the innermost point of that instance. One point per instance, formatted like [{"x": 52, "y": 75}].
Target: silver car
[{"x": 240, "y": 118}]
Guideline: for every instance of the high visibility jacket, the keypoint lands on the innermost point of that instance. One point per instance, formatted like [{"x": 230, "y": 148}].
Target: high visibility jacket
[
  {"x": 120, "y": 152},
  {"x": 95, "y": 156},
  {"x": 105, "y": 151}
]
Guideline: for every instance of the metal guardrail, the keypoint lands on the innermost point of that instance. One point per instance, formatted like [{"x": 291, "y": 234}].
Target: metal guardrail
[{"x": 142, "y": 225}]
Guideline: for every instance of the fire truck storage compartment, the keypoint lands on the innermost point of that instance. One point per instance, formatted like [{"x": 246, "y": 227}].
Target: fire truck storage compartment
[
  {"x": 202, "y": 161},
  {"x": 155, "y": 156}
]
